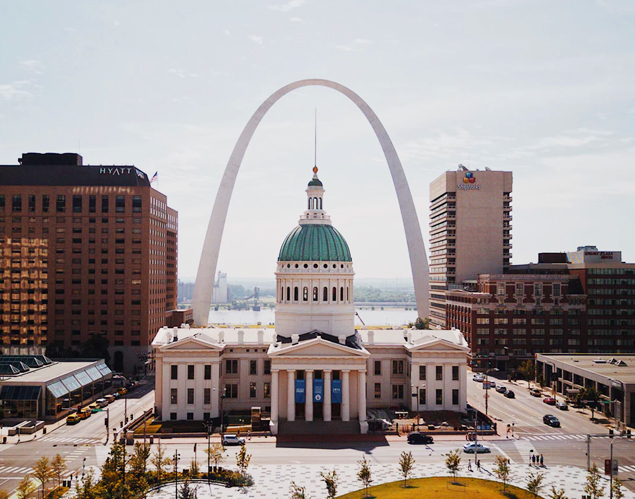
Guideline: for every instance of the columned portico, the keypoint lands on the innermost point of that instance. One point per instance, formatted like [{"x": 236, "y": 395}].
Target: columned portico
[
  {"x": 327, "y": 411},
  {"x": 291, "y": 395},
  {"x": 308, "y": 415},
  {"x": 274, "y": 402},
  {"x": 346, "y": 400}
]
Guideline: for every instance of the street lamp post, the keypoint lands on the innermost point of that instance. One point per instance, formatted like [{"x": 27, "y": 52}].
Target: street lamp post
[
  {"x": 210, "y": 427},
  {"x": 487, "y": 387},
  {"x": 83, "y": 467},
  {"x": 222, "y": 397},
  {"x": 176, "y": 474}
]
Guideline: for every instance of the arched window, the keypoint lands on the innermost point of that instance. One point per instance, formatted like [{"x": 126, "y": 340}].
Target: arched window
[
  {"x": 341, "y": 294},
  {"x": 320, "y": 202},
  {"x": 315, "y": 294},
  {"x": 315, "y": 203},
  {"x": 325, "y": 294},
  {"x": 310, "y": 203},
  {"x": 334, "y": 294},
  {"x": 347, "y": 298},
  {"x": 288, "y": 293},
  {"x": 295, "y": 294},
  {"x": 305, "y": 294}
]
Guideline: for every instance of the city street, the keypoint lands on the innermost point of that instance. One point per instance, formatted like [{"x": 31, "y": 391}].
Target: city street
[{"x": 84, "y": 443}]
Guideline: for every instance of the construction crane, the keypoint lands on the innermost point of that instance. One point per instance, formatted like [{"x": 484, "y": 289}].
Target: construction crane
[{"x": 255, "y": 296}]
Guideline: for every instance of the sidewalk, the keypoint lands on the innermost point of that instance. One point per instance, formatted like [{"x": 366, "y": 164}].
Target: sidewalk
[{"x": 273, "y": 481}]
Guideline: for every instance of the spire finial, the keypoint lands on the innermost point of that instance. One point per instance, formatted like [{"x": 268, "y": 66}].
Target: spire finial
[{"x": 315, "y": 144}]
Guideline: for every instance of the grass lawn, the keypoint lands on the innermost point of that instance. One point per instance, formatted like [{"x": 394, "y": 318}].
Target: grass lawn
[{"x": 442, "y": 488}]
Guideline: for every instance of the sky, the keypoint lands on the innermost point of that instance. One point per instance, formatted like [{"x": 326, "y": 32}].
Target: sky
[{"x": 540, "y": 88}]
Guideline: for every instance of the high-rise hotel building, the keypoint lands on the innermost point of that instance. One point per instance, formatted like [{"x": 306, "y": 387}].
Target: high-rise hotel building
[
  {"x": 84, "y": 250},
  {"x": 470, "y": 231}
]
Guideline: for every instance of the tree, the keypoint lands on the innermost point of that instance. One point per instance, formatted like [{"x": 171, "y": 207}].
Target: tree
[
  {"x": 242, "y": 459},
  {"x": 58, "y": 467},
  {"x": 86, "y": 488},
  {"x": 136, "y": 478},
  {"x": 364, "y": 475},
  {"x": 112, "y": 485},
  {"x": 298, "y": 492},
  {"x": 422, "y": 323},
  {"x": 618, "y": 493},
  {"x": 331, "y": 480},
  {"x": 4, "y": 494},
  {"x": 216, "y": 454},
  {"x": 534, "y": 483},
  {"x": 557, "y": 494},
  {"x": 42, "y": 471},
  {"x": 502, "y": 470},
  {"x": 195, "y": 470},
  {"x": 160, "y": 461},
  {"x": 591, "y": 395},
  {"x": 594, "y": 487},
  {"x": 528, "y": 369},
  {"x": 186, "y": 492},
  {"x": 453, "y": 462},
  {"x": 406, "y": 465},
  {"x": 25, "y": 487}
]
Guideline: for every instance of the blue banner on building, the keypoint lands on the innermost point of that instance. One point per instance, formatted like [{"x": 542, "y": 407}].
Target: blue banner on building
[
  {"x": 318, "y": 390},
  {"x": 336, "y": 391},
  {"x": 300, "y": 389}
]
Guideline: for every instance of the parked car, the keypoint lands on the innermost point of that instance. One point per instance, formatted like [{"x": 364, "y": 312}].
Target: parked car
[
  {"x": 84, "y": 413},
  {"x": 72, "y": 419},
  {"x": 562, "y": 406},
  {"x": 102, "y": 402},
  {"x": 229, "y": 439},
  {"x": 549, "y": 400},
  {"x": 536, "y": 392},
  {"x": 479, "y": 378},
  {"x": 473, "y": 447},
  {"x": 94, "y": 407},
  {"x": 501, "y": 388},
  {"x": 110, "y": 398},
  {"x": 551, "y": 420},
  {"x": 419, "y": 438},
  {"x": 509, "y": 394},
  {"x": 122, "y": 391}
]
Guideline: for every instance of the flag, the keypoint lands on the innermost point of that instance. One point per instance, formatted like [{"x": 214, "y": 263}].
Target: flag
[{"x": 154, "y": 177}]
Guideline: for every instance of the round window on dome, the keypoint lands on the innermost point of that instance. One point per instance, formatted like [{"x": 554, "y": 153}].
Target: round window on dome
[
  {"x": 296, "y": 265},
  {"x": 306, "y": 265},
  {"x": 325, "y": 266},
  {"x": 342, "y": 266},
  {"x": 334, "y": 266},
  {"x": 288, "y": 265},
  {"x": 315, "y": 265}
]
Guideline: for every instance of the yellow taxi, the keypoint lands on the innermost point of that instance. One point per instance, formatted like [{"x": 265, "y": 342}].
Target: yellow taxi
[
  {"x": 72, "y": 419},
  {"x": 110, "y": 398},
  {"x": 94, "y": 407},
  {"x": 122, "y": 391},
  {"x": 84, "y": 413}
]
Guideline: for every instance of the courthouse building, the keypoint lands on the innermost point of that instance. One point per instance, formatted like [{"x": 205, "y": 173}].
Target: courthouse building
[{"x": 315, "y": 365}]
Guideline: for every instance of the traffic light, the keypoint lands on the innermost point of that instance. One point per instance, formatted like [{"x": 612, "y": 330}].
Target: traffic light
[
  {"x": 611, "y": 432},
  {"x": 106, "y": 421}
]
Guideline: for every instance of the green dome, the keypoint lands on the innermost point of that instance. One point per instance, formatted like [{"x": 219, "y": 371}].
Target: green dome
[
  {"x": 315, "y": 182},
  {"x": 314, "y": 243}
]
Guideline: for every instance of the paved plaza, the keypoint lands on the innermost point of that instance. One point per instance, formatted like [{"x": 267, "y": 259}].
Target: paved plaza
[{"x": 273, "y": 481}]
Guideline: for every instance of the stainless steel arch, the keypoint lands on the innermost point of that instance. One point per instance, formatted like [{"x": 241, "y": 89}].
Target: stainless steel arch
[{"x": 203, "y": 287}]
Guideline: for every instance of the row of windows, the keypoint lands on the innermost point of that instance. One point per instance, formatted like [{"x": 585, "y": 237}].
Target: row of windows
[
  {"x": 230, "y": 392},
  {"x": 76, "y": 202},
  {"x": 315, "y": 294},
  {"x": 398, "y": 370},
  {"x": 231, "y": 367}
]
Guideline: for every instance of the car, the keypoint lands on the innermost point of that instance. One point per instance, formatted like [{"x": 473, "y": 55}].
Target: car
[
  {"x": 110, "y": 398},
  {"x": 102, "y": 402},
  {"x": 535, "y": 392},
  {"x": 501, "y": 388},
  {"x": 562, "y": 406},
  {"x": 551, "y": 420},
  {"x": 84, "y": 413},
  {"x": 473, "y": 447},
  {"x": 72, "y": 419},
  {"x": 509, "y": 394},
  {"x": 229, "y": 439},
  {"x": 419, "y": 438},
  {"x": 479, "y": 378},
  {"x": 549, "y": 400},
  {"x": 94, "y": 407},
  {"x": 122, "y": 391}
]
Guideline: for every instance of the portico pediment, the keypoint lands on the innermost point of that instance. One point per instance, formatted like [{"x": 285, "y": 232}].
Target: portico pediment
[
  {"x": 437, "y": 345},
  {"x": 192, "y": 343},
  {"x": 317, "y": 347}
]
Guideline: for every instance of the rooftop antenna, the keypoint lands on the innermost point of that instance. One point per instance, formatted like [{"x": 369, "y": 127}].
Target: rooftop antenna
[{"x": 315, "y": 141}]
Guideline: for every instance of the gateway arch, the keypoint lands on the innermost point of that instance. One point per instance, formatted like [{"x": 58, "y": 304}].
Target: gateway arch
[{"x": 204, "y": 285}]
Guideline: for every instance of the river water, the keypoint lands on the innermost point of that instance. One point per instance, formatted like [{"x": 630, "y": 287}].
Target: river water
[{"x": 386, "y": 317}]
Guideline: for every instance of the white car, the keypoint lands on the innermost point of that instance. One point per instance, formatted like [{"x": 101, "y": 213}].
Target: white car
[
  {"x": 479, "y": 378},
  {"x": 472, "y": 448},
  {"x": 229, "y": 439}
]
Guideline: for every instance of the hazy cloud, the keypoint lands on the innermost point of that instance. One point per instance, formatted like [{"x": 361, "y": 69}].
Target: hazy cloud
[
  {"x": 286, "y": 7},
  {"x": 356, "y": 44},
  {"x": 181, "y": 73},
  {"x": 33, "y": 65},
  {"x": 255, "y": 38},
  {"x": 15, "y": 90},
  {"x": 296, "y": 20}
]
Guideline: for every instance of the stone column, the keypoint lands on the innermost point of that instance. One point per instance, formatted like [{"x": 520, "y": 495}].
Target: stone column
[
  {"x": 291, "y": 396},
  {"x": 308, "y": 396},
  {"x": 274, "y": 396},
  {"x": 346, "y": 405},
  {"x": 361, "y": 394},
  {"x": 326, "y": 412}
]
